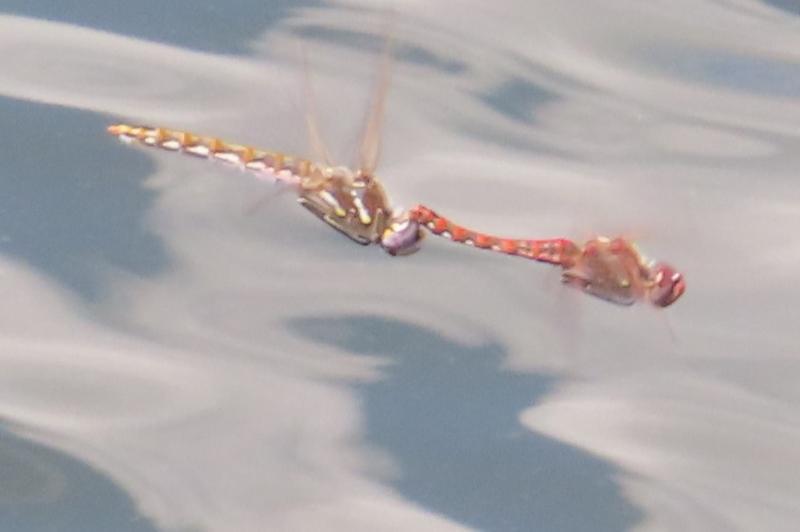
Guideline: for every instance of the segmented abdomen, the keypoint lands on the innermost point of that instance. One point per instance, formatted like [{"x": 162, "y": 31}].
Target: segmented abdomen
[
  {"x": 273, "y": 165},
  {"x": 558, "y": 251}
]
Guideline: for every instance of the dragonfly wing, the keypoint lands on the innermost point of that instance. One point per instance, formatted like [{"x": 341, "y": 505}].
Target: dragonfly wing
[
  {"x": 318, "y": 146},
  {"x": 265, "y": 199},
  {"x": 611, "y": 289},
  {"x": 370, "y": 148}
]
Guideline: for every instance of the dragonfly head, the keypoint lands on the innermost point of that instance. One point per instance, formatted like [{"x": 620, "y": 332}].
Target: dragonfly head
[
  {"x": 402, "y": 236},
  {"x": 668, "y": 285}
]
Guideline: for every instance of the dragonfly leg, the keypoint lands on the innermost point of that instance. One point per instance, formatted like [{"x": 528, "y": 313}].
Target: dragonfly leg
[
  {"x": 326, "y": 217},
  {"x": 575, "y": 278}
]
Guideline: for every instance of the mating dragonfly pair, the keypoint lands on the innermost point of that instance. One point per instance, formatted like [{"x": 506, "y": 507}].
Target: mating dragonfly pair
[{"x": 355, "y": 203}]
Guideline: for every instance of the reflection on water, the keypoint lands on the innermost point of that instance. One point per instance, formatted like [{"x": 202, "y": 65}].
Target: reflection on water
[
  {"x": 376, "y": 44},
  {"x": 173, "y": 364},
  {"x": 201, "y": 26},
  {"x": 791, "y": 6},
  {"x": 448, "y": 414},
  {"x": 68, "y": 204},
  {"x": 516, "y": 99},
  {"x": 46, "y": 490},
  {"x": 757, "y": 75}
]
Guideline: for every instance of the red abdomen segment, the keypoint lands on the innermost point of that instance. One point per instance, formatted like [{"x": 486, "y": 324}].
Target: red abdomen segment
[{"x": 559, "y": 251}]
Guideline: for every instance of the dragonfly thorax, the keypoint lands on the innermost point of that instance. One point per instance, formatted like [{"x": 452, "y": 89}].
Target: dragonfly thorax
[
  {"x": 356, "y": 205},
  {"x": 338, "y": 172},
  {"x": 353, "y": 204}
]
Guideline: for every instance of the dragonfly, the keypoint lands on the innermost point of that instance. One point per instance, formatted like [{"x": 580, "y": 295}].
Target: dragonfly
[
  {"x": 612, "y": 269},
  {"x": 355, "y": 203},
  {"x": 352, "y": 201}
]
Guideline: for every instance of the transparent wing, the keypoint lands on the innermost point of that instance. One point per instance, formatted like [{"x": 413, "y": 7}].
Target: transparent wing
[
  {"x": 252, "y": 207},
  {"x": 320, "y": 150},
  {"x": 603, "y": 280},
  {"x": 370, "y": 149}
]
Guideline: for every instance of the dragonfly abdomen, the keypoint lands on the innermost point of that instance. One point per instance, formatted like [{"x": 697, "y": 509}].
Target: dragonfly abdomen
[
  {"x": 559, "y": 251},
  {"x": 274, "y": 165}
]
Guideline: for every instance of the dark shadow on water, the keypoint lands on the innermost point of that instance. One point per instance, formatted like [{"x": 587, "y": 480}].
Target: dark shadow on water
[
  {"x": 448, "y": 415},
  {"x": 45, "y": 490},
  {"x": 222, "y": 27},
  {"x": 375, "y": 44},
  {"x": 71, "y": 198},
  {"x": 763, "y": 76},
  {"x": 790, "y": 6},
  {"x": 517, "y": 99}
]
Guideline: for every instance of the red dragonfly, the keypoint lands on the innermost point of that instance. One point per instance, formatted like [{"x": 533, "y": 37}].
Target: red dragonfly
[
  {"x": 611, "y": 269},
  {"x": 355, "y": 203}
]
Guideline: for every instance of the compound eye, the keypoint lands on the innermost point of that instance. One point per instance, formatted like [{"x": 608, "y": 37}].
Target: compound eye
[
  {"x": 668, "y": 285},
  {"x": 402, "y": 238}
]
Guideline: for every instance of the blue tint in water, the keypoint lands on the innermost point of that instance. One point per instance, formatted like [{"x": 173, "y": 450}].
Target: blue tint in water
[
  {"x": 46, "y": 490},
  {"x": 713, "y": 113},
  {"x": 448, "y": 415},
  {"x": 377, "y": 44},
  {"x": 212, "y": 26},
  {"x": 756, "y": 75},
  {"x": 71, "y": 201},
  {"x": 517, "y": 99},
  {"x": 790, "y": 6}
]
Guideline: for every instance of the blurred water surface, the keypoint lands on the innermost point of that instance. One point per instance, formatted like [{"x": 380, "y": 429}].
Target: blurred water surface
[{"x": 171, "y": 362}]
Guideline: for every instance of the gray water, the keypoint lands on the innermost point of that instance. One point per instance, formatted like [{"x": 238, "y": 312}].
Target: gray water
[{"x": 183, "y": 348}]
